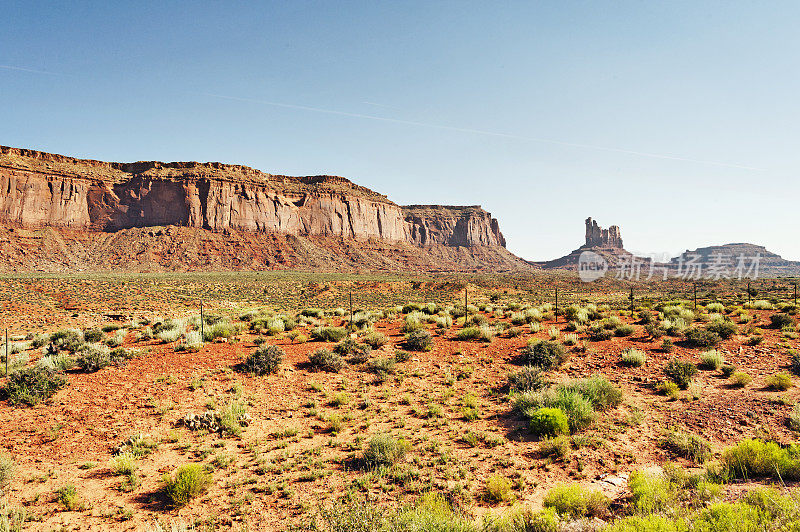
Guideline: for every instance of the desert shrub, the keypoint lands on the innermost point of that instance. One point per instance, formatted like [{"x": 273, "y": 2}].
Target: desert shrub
[
  {"x": 544, "y": 354},
  {"x": 727, "y": 370},
  {"x": 325, "y": 360},
  {"x": 188, "y": 482},
  {"x": 328, "y": 334},
  {"x": 680, "y": 372},
  {"x": 575, "y": 501},
  {"x": 716, "y": 307},
  {"x": 349, "y": 347},
  {"x": 7, "y": 467},
  {"x": 375, "y": 339},
  {"x": 39, "y": 340},
  {"x": 31, "y": 386},
  {"x": 781, "y": 320},
  {"x": 413, "y": 322},
  {"x": 535, "y": 327},
  {"x": 192, "y": 342},
  {"x": 633, "y": 357},
  {"x": 385, "y": 450},
  {"x": 751, "y": 459},
  {"x": 58, "y": 363},
  {"x": 68, "y": 339},
  {"x": 740, "y": 379},
  {"x": 443, "y": 322},
  {"x": 779, "y": 381},
  {"x": 598, "y": 333},
  {"x": 381, "y": 366},
  {"x": 548, "y": 422},
  {"x": 68, "y": 497},
  {"x": 711, "y": 359},
  {"x": 419, "y": 340},
  {"x": 688, "y": 446},
  {"x": 722, "y": 328},
  {"x": 558, "y": 447},
  {"x": 401, "y": 356},
  {"x": 498, "y": 489},
  {"x": 794, "y": 418},
  {"x": 124, "y": 463},
  {"x": 94, "y": 357},
  {"x": 702, "y": 338},
  {"x": 670, "y": 389},
  {"x": 602, "y": 394},
  {"x": 624, "y": 330},
  {"x": 611, "y": 323},
  {"x": 578, "y": 409},
  {"x": 667, "y": 346},
  {"x": 93, "y": 335},
  {"x": 654, "y": 331},
  {"x": 526, "y": 379},
  {"x": 265, "y": 360},
  {"x": 482, "y": 333},
  {"x": 570, "y": 339},
  {"x": 145, "y": 334},
  {"x": 117, "y": 339},
  {"x": 650, "y": 492},
  {"x": 312, "y": 312},
  {"x": 169, "y": 335}
]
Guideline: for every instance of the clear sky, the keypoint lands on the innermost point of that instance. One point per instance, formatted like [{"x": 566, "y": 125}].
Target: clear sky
[{"x": 677, "y": 121}]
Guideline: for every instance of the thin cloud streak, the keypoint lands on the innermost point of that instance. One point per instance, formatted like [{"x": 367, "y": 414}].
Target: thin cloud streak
[
  {"x": 24, "y": 69},
  {"x": 483, "y": 132}
]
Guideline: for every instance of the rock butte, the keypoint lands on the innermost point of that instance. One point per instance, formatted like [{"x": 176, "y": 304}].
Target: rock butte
[{"x": 77, "y": 198}]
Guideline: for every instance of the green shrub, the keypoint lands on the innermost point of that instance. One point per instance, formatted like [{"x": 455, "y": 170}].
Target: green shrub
[
  {"x": 482, "y": 333},
  {"x": 624, "y": 330},
  {"x": 401, "y": 356},
  {"x": 328, "y": 334},
  {"x": 93, "y": 335},
  {"x": 779, "y": 381},
  {"x": 498, "y": 489},
  {"x": 325, "y": 360},
  {"x": 650, "y": 492},
  {"x": 419, "y": 340},
  {"x": 124, "y": 463},
  {"x": 67, "y": 339},
  {"x": 188, "y": 482},
  {"x": 727, "y": 370},
  {"x": 598, "y": 333},
  {"x": 575, "y": 501},
  {"x": 711, "y": 359},
  {"x": 667, "y": 346},
  {"x": 385, "y": 450},
  {"x": 526, "y": 379},
  {"x": 94, "y": 357},
  {"x": 359, "y": 353},
  {"x": 688, "y": 446},
  {"x": 781, "y": 320},
  {"x": 794, "y": 418},
  {"x": 740, "y": 379},
  {"x": 374, "y": 339},
  {"x": 559, "y": 447},
  {"x": 7, "y": 467},
  {"x": 381, "y": 366},
  {"x": 670, "y": 389},
  {"x": 681, "y": 372},
  {"x": 265, "y": 360},
  {"x": 654, "y": 331},
  {"x": 722, "y": 328},
  {"x": 702, "y": 338},
  {"x": 578, "y": 409},
  {"x": 602, "y": 394},
  {"x": 68, "y": 496},
  {"x": 548, "y": 422},
  {"x": 192, "y": 342},
  {"x": 633, "y": 357},
  {"x": 544, "y": 354},
  {"x": 30, "y": 386},
  {"x": 752, "y": 459}
]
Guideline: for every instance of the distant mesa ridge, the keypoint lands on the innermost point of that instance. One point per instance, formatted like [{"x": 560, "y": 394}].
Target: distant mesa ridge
[
  {"x": 605, "y": 242},
  {"x": 40, "y": 190},
  {"x": 597, "y": 237}
]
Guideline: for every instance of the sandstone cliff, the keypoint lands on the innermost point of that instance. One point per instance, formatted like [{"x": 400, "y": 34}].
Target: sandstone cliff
[{"x": 43, "y": 190}]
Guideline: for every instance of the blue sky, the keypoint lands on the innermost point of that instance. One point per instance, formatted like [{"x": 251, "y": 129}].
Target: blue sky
[{"x": 677, "y": 121}]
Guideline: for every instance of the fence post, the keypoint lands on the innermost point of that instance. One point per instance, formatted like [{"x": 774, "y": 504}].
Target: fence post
[
  {"x": 695, "y": 295},
  {"x": 795, "y": 294},
  {"x": 466, "y": 303},
  {"x": 556, "y": 310},
  {"x": 6, "y": 351},
  {"x": 202, "y": 323},
  {"x": 350, "y": 325},
  {"x": 631, "y": 299}
]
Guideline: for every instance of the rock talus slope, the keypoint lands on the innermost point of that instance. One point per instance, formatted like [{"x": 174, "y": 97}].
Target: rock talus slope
[{"x": 81, "y": 201}]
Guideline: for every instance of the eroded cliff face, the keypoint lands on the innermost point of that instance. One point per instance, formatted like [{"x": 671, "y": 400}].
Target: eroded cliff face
[{"x": 41, "y": 189}]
